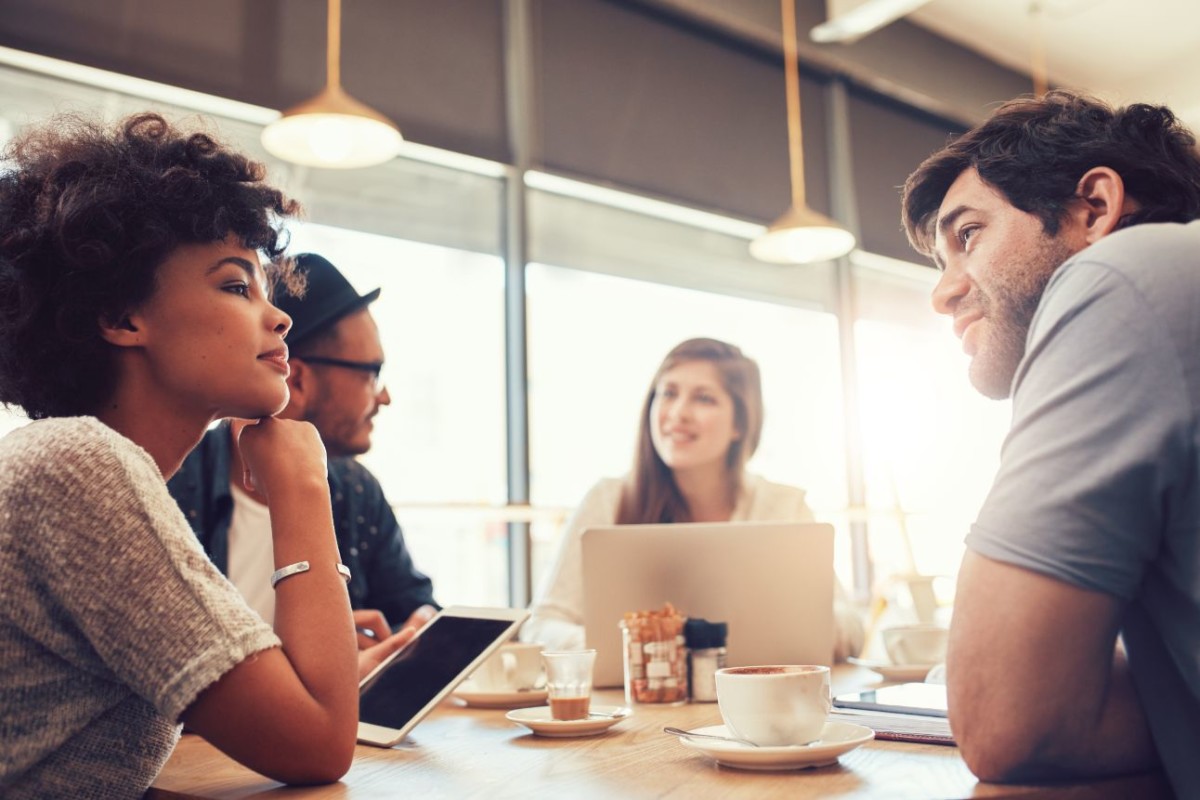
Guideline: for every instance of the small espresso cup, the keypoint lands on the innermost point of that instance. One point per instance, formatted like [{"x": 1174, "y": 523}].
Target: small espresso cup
[
  {"x": 916, "y": 644},
  {"x": 569, "y": 683},
  {"x": 774, "y": 705},
  {"x": 515, "y": 667}
]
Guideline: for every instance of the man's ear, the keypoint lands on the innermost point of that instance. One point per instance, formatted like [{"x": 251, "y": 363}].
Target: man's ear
[
  {"x": 1101, "y": 202},
  {"x": 122, "y": 331},
  {"x": 300, "y": 389}
]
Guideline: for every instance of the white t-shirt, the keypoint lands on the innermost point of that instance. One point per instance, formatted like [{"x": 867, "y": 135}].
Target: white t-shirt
[{"x": 252, "y": 553}]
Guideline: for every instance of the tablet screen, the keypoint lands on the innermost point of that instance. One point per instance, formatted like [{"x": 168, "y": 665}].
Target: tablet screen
[{"x": 412, "y": 679}]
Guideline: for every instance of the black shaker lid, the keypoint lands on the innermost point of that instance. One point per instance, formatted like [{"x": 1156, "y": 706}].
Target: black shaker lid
[{"x": 700, "y": 633}]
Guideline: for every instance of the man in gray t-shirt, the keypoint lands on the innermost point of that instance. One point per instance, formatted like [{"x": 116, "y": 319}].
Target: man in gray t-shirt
[{"x": 1089, "y": 319}]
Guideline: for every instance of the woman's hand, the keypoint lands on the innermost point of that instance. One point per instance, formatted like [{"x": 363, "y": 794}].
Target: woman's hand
[{"x": 280, "y": 453}]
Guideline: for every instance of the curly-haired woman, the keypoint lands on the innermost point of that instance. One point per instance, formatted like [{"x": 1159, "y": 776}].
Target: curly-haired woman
[{"x": 134, "y": 311}]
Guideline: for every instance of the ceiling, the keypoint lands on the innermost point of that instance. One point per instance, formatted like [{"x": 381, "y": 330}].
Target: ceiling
[{"x": 1121, "y": 50}]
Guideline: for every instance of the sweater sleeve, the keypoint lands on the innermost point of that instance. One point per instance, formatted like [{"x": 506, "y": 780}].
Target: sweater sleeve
[{"x": 115, "y": 559}]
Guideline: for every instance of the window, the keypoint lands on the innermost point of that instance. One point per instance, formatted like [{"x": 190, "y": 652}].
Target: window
[
  {"x": 438, "y": 450},
  {"x": 931, "y": 443}
]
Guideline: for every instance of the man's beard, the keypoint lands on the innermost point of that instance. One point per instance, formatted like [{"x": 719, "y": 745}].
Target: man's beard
[
  {"x": 1009, "y": 310},
  {"x": 993, "y": 367}
]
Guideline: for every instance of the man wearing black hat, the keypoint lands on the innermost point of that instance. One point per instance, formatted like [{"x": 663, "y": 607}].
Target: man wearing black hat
[{"x": 335, "y": 357}]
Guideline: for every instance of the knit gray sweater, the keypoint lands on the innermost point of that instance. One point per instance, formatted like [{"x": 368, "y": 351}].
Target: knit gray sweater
[{"x": 113, "y": 620}]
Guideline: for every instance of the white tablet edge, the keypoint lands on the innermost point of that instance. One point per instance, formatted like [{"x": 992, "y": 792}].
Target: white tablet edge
[{"x": 386, "y": 737}]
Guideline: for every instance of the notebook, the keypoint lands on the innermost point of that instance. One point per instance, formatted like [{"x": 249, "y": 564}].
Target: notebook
[{"x": 771, "y": 582}]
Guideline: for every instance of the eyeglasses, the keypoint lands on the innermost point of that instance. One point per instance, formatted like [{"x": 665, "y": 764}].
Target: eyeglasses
[{"x": 372, "y": 367}]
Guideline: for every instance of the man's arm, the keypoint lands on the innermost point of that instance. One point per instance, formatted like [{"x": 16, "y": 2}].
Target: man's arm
[
  {"x": 1036, "y": 690},
  {"x": 394, "y": 585}
]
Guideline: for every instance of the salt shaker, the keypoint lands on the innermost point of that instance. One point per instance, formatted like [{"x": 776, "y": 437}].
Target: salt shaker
[{"x": 706, "y": 654}]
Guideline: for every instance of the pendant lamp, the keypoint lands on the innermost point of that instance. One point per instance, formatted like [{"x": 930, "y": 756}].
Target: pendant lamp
[
  {"x": 333, "y": 129},
  {"x": 801, "y": 235}
]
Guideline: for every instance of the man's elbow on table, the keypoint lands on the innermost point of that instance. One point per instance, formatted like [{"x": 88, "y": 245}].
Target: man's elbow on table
[{"x": 996, "y": 745}]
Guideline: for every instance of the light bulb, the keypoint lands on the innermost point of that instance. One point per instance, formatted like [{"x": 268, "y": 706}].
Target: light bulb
[{"x": 330, "y": 138}]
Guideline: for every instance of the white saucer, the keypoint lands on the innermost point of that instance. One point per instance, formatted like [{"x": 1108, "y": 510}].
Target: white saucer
[
  {"x": 477, "y": 698},
  {"x": 540, "y": 722},
  {"x": 836, "y": 738},
  {"x": 895, "y": 672}
]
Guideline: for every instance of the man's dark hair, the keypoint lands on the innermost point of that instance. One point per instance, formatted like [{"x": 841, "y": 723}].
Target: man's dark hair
[
  {"x": 1035, "y": 150},
  {"x": 87, "y": 215}
]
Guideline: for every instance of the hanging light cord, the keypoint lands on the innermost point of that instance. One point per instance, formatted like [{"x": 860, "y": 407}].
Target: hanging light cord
[
  {"x": 1038, "y": 62},
  {"x": 333, "y": 47},
  {"x": 791, "y": 76}
]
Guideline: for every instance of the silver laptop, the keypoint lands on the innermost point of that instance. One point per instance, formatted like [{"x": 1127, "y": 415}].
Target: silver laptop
[{"x": 772, "y": 582}]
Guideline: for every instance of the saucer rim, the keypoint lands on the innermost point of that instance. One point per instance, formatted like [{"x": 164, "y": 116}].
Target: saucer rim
[
  {"x": 775, "y": 759},
  {"x": 547, "y": 726},
  {"x": 860, "y": 735},
  {"x": 482, "y": 699},
  {"x": 887, "y": 669}
]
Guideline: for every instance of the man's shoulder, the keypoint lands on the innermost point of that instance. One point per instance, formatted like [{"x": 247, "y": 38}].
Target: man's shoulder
[
  {"x": 1151, "y": 271},
  {"x": 351, "y": 476},
  {"x": 1148, "y": 254}
]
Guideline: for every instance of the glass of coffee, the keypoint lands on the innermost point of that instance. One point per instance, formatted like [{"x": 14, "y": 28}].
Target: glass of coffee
[{"x": 569, "y": 683}]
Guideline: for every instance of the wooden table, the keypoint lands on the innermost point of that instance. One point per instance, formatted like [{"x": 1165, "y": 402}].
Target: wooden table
[{"x": 460, "y": 752}]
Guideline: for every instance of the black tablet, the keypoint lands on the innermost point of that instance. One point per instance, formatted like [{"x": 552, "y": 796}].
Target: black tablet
[{"x": 404, "y": 688}]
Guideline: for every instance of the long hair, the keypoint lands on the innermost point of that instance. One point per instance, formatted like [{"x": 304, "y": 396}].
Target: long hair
[
  {"x": 651, "y": 494},
  {"x": 1035, "y": 150}
]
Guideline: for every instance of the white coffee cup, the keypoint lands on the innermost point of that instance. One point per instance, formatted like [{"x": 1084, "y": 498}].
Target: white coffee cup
[
  {"x": 916, "y": 644},
  {"x": 515, "y": 667},
  {"x": 774, "y": 705}
]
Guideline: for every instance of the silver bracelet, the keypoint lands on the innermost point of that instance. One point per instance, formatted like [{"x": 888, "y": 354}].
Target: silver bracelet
[
  {"x": 288, "y": 571},
  {"x": 303, "y": 566}
]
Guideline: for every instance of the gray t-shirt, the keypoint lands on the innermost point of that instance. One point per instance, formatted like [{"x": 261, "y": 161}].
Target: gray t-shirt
[
  {"x": 1099, "y": 481},
  {"x": 113, "y": 620}
]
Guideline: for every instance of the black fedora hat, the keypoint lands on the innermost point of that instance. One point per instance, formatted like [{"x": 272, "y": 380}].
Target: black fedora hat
[{"x": 327, "y": 298}]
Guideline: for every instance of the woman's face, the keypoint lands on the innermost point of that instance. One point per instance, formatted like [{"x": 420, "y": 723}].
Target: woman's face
[
  {"x": 211, "y": 342},
  {"x": 692, "y": 417}
]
